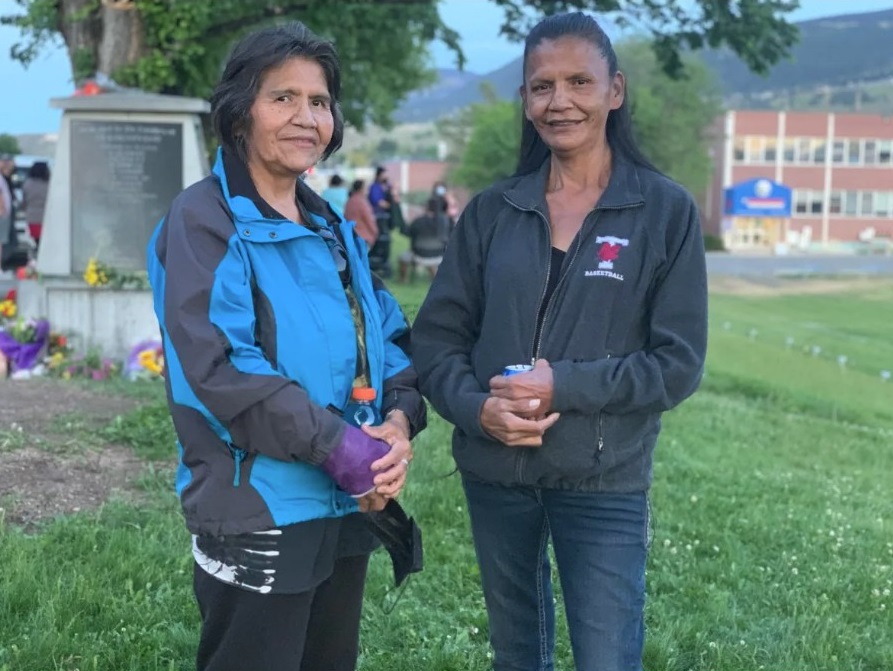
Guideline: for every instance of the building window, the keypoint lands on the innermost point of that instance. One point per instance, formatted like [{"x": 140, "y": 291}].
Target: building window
[
  {"x": 851, "y": 203},
  {"x": 882, "y": 202},
  {"x": 753, "y": 150},
  {"x": 818, "y": 154},
  {"x": 815, "y": 202},
  {"x": 870, "y": 152},
  {"x": 853, "y": 154},
  {"x": 807, "y": 202},
  {"x": 789, "y": 150},
  {"x": 739, "y": 149},
  {"x": 804, "y": 150},
  {"x": 770, "y": 149},
  {"x": 885, "y": 152},
  {"x": 867, "y": 208},
  {"x": 839, "y": 150},
  {"x": 836, "y": 204}
]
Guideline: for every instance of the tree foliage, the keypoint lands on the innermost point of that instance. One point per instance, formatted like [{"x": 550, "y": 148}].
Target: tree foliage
[
  {"x": 491, "y": 150},
  {"x": 178, "y": 46},
  {"x": 9, "y": 144},
  {"x": 756, "y": 30},
  {"x": 672, "y": 118},
  {"x": 671, "y": 121}
]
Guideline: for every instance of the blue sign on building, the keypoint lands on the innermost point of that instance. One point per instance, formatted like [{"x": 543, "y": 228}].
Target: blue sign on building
[{"x": 758, "y": 198}]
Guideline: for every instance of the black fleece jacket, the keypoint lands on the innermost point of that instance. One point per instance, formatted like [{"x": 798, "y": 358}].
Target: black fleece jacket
[{"x": 625, "y": 330}]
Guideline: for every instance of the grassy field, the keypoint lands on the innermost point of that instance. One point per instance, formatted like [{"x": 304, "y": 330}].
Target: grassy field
[{"x": 773, "y": 538}]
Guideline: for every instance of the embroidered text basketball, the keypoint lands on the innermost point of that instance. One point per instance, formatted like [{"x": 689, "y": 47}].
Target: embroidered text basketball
[{"x": 607, "y": 251}]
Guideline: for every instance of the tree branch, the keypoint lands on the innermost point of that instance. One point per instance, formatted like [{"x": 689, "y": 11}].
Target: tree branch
[{"x": 232, "y": 24}]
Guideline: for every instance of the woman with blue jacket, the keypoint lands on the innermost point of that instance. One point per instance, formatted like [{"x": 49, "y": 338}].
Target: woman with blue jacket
[{"x": 270, "y": 317}]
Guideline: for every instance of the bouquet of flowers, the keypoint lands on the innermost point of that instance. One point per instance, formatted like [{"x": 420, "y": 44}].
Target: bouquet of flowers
[
  {"x": 8, "y": 307},
  {"x": 99, "y": 274},
  {"x": 58, "y": 351},
  {"x": 146, "y": 359},
  {"x": 23, "y": 342}
]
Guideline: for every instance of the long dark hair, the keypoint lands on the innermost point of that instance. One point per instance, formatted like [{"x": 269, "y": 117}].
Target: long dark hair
[
  {"x": 618, "y": 129},
  {"x": 251, "y": 59}
]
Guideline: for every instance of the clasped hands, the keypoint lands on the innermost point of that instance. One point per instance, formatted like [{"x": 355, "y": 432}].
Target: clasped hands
[
  {"x": 519, "y": 409},
  {"x": 393, "y": 466}
]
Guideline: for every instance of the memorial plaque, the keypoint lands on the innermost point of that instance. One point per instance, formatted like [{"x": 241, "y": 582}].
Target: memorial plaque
[{"x": 124, "y": 176}]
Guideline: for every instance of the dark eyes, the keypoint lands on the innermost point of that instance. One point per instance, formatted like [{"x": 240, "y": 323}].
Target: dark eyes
[
  {"x": 579, "y": 81},
  {"x": 320, "y": 103}
]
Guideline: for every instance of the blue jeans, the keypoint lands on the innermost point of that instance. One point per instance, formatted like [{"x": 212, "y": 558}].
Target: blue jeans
[{"x": 600, "y": 543}]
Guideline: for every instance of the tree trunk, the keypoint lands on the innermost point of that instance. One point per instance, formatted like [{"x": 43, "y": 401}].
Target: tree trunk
[
  {"x": 123, "y": 40},
  {"x": 101, "y": 39},
  {"x": 81, "y": 29}
]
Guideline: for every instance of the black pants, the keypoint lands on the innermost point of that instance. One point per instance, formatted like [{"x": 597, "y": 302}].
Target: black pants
[{"x": 317, "y": 630}]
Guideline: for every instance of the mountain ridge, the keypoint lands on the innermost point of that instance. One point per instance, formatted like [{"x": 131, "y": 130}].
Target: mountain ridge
[{"x": 834, "y": 53}]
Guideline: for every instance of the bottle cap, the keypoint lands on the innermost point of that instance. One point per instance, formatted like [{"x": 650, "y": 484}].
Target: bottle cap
[{"x": 362, "y": 394}]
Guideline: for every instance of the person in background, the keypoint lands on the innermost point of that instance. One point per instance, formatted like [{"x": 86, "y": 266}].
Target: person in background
[
  {"x": 336, "y": 192},
  {"x": 379, "y": 191},
  {"x": 428, "y": 236},
  {"x": 447, "y": 202},
  {"x": 588, "y": 264},
  {"x": 34, "y": 198},
  {"x": 7, "y": 201},
  {"x": 270, "y": 319},
  {"x": 382, "y": 199},
  {"x": 360, "y": 212}
]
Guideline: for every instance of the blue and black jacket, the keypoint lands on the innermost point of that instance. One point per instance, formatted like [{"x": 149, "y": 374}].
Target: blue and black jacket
[{"x": 259, "y": 341}]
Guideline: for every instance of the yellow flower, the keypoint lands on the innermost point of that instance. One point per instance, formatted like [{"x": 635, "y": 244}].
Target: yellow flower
[{"x": 8, "y": 309}]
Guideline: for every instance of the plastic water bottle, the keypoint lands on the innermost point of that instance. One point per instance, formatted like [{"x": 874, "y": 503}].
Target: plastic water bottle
[{"x": 361, "y": 408}]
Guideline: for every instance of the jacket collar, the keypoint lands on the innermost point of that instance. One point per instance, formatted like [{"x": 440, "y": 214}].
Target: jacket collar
[
  {"x": 245, "y": 202},
  {"x": 624, "y": 189}
]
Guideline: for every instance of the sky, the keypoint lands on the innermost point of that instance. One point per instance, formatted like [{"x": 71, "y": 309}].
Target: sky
[{"x": 26, "y": 92}]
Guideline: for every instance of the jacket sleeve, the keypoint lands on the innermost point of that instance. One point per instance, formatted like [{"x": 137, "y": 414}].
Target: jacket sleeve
[
  {"x": 207, "y": 315},
  {"x": 401, "y": 384},
  {"x": 447, "y": 327},
  {"x": 669, "y": 369}
]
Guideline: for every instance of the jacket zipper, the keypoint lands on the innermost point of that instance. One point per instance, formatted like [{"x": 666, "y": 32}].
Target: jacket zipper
[
  {"x": 238, "y": 457},
  {"x": 577, "y": 244},
  {"x": 601, "y": 431}
]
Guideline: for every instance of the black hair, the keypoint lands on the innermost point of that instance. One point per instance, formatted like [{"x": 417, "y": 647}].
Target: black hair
[
  {"x": 336, "y": 180},
  {"x": 357, "y": 185},
  {"x": 379, "y": 171},
  {"x": 250, "y": 60},
  {"x": 39, "y": 170},
  {"x": 618, "y": 129}
]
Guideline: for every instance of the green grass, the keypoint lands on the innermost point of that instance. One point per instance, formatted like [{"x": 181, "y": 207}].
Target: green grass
[{"x": 773, "y": 527}]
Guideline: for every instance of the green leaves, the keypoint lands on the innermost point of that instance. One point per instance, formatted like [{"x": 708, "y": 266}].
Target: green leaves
[
  {"x": 756, "y": 30},
  {"x": 383, "y": 44}
]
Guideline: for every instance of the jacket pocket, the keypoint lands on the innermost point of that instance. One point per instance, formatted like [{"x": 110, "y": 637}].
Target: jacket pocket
[
  {"x": 571, "y": 446},
  {"x": 622, "y": 438}
]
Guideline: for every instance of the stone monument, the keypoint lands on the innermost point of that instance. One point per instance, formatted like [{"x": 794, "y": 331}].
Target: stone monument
[{"x": 120, "y": 160}]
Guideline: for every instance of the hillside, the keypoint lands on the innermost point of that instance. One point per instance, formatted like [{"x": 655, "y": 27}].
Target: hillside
[
  {"x": 845, "y": 62},
  {"x": 836, "y": 52}
]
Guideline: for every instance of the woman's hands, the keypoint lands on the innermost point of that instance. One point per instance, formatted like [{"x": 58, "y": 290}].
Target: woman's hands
[
  {"x": 517, "y": 413},
  {"x": 393, "y": 466}
]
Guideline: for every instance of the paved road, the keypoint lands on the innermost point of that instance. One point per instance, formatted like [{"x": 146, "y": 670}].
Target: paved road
[{"x": 779, "y": 266}]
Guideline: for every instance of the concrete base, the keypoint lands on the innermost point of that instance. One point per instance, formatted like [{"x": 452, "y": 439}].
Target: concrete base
[{"x": 111, "y": 321}]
